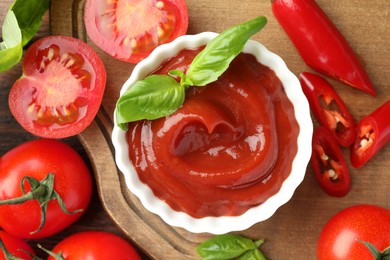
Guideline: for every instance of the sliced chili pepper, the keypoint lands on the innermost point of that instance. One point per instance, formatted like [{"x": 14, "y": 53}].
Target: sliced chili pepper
[
  {"x": 328, "y": 108},
  {"x": 329, "y": 165},
  {"x": 373, "y": 132},
  {"x": 320, "y": 43}
]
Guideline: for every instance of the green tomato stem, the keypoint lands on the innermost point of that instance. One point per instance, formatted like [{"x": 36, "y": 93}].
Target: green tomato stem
[
  {"x": 378, "y": 255},
  {"x": 6, "y": 253},
  {"x": 58, "y": 256},
  {"x": 41, "y": 191}
]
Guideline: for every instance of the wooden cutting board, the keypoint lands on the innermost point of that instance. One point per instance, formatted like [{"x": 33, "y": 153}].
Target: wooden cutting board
[{"x": 293, "y": 231}]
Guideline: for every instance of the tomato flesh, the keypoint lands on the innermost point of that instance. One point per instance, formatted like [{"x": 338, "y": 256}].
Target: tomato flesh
[
  {"x": 61, "y": 88},
  {"x": 130, "y": 30}
]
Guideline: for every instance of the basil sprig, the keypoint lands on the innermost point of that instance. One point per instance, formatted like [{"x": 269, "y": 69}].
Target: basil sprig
[
  {"x": 230, "y": 246},
  {"x": 21, "y": 23},
  {"x": 157, "y": 96}
]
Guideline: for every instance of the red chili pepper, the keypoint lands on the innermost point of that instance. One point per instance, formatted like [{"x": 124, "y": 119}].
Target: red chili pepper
[
  {"x": 373, "y": 132},
  {"x": 329, "y": 165},
  {"x": 320, "y": 43},
  {"x": 329, "y": 108}
]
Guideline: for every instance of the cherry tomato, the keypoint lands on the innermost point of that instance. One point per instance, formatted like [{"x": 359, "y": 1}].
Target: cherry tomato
[
  {"x": 61, "y": 88},
  {"x": 53, "y": 172},
  {"x": 96, "y": 245},
  {"x": 14, "y": 246},
  {"x": 329, "y": 165},
  {"x": 342, "y": 236},
  {"x": 129, "y": 30}
]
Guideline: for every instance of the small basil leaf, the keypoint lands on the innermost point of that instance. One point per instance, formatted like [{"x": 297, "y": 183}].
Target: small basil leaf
[
  {"x": 225, "y": 246},
  {"x": 154, "y": 97},
  {"x": 253, "y": 254},
  {"x": 29, "y": 14},
  {"x": 11, "y": 49},
  {"x": 184, "y": 80},
  {"x": 215, "y": 58}
]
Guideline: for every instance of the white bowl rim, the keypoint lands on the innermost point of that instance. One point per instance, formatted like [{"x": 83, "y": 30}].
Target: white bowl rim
[{"x": 223, "y": 224}]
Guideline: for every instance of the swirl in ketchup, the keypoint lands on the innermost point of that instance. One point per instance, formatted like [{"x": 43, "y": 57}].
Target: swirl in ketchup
[{"x": 228, "y": 148}]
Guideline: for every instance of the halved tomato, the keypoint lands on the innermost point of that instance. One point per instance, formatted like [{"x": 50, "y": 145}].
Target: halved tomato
[
  {"x": 129, "y": 30},
  {"x": 61, "y": 88}
]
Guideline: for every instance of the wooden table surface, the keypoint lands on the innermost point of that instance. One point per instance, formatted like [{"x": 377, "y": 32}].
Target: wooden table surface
[
  {"x": 293, "y": 231},
  {"x": 12, "y": 134}
]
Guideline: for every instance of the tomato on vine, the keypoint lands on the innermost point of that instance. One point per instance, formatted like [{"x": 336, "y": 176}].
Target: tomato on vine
[
  {"x": 357, "y": 232},
  {"x": 45, "y": 186}
]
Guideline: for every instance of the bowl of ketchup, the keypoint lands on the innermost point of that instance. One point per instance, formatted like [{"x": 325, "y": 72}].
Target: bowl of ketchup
[{"x": 232, "y": 154}]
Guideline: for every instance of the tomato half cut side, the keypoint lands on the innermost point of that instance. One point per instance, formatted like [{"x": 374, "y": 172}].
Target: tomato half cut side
[
  {"x": 129, "y": 30},
  {"x": 329, "y": 165},
  {"x": 61, "y": 88}
]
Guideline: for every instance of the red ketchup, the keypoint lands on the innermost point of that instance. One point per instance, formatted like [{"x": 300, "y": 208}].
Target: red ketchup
[{"x": 227, "y": 149}]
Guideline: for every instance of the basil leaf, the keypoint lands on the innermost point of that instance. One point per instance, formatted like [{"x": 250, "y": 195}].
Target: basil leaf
[
  {"x": 160, "y": 95},
  {"x": 151, "y": 98},
  {"x": 253, "y": 254},
  {"x": 215, "y": 58},
  {"x": 29, "y": 14},
  {"x": 184, "y": 80},
  {"x": 11, "y": 49},
  {"x": 225, "y": 246}
]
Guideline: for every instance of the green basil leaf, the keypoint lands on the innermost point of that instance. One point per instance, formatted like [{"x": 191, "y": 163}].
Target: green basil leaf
[
  {"x": 160, "y": 95},
  {"x": 11, "y": 49},
  {"x": 225, "y": 246},
  {"x": 154, "y": 97},
  {"x": 253, "y": 254},
  {"x": 215, "y": 58},
  {"x": 184, "y": 80},
  {"x": 29, "y": 14}
]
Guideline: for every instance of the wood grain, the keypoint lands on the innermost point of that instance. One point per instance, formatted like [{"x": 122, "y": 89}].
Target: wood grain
[{"x": 293, "y": 231}]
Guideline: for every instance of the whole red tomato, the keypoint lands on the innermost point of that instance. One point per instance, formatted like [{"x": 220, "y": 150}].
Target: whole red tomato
[
  {"x": 343, "y": 234},
  {"x": 95, "y": 245},
  {"x": 14, "y": 246},
  {"x": 57, "y": 176}
]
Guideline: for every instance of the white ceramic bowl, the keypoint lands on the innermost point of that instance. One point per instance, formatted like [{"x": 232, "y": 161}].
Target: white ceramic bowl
[{"x": 224, "y": 224}]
